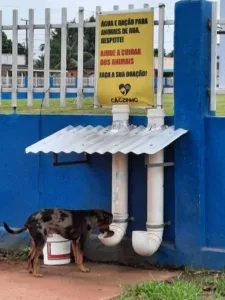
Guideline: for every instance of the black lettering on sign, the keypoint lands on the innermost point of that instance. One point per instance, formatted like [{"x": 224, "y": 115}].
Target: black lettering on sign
[
  {"x": 124, "y": 30},
  {"x": 134, "y": 30},
  {"x": 106, "y": 23},
  {"x": 110, "y": 31},
  {"x": 142, "y": 21},
  {"x": 104, "y": 75},
  {"x": 126, "y": 22},
  {"x": 113, "y": 40},
  {"x": 136, "y": 74},
  {"x": 120, "y": 74},
  {"x": 124, "y": 100}
]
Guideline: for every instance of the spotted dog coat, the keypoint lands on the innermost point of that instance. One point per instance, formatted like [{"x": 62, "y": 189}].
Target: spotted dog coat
[{"x": 74, "y": 225}]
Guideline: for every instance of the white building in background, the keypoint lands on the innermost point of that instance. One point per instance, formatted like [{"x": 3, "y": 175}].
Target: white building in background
[
  {"x": 7, "y": 63},
  {"x": 7, "y": 59}
]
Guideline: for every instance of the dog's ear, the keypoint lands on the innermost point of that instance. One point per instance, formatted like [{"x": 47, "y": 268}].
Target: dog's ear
[
  {"x": 103, "y": 216},
  {"x": 99, "y": 214}
]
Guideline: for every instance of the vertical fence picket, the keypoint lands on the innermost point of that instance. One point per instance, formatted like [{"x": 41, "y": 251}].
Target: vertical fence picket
[
  {"x": 160, "y": 56},
  {"x": 30, "y": 58},
  {"x": 116, "y": 7},
  {"x": 47, "y": 58},
  {"x": 80, "y": 58},
  {"x": 14, "y": 59},
  {"x": 63, "y": 58},
  {"x": 96, "y": 104}
]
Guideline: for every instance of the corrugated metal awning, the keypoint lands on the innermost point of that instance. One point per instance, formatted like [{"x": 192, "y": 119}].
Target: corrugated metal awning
[{"x": 101, "y": 140}]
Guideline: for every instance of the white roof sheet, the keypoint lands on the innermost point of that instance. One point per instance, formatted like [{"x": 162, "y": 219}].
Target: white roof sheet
[{"x": 101, "y": 140}]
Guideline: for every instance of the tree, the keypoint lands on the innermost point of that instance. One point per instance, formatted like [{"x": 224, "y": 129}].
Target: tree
[
  {"x": 72, "y": 47},
  {"x": 7, "y": 45},
  {"x": 156, "y": 51},
  {"x": 170, "y": 54}
]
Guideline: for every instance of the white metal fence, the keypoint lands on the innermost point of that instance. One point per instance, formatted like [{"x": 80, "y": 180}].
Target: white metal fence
[
  {"x": 39, "y": 81},
  {"x": 62, "y": 84},
  {"x": 56, "y": 81}
]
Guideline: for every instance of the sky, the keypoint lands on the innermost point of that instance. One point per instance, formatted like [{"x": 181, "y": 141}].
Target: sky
[{"x": 72, "y": 5}]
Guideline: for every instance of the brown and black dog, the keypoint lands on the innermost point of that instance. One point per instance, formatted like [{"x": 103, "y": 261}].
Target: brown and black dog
[{"x": 74, "y": 225}]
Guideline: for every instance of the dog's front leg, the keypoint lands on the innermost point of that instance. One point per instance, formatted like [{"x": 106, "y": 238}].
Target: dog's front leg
[{"x": 78, "y": 253}]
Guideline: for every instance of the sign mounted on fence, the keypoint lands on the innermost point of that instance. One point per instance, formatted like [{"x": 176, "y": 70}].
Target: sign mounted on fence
[{"x": 125, "y": 71}]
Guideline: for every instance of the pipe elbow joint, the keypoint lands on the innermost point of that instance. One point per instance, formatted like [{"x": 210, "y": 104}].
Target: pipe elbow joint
[
  {"x": 146, "y": 243},
  {"x": 119, "y": 232}
]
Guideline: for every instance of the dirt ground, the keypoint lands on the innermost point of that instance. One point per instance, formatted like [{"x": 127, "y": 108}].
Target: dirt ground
[{"x": 68, "y": 283}]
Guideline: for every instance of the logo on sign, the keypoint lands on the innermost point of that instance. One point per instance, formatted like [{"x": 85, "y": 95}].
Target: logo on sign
[{"x": 124, "y": 88}]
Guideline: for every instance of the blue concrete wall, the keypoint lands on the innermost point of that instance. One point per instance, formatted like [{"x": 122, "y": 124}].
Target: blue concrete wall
[
  {"x": 30, "y": 182},
  {"x": 215, "y": 176}
]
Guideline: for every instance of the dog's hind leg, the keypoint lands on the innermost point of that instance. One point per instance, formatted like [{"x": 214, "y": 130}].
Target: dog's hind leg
[
  {"x": 38, "y": 252},
  {"x": 40, "y": 241},
  {"x": 74, "y": 247},
  {"x": 31, "y": 257}
]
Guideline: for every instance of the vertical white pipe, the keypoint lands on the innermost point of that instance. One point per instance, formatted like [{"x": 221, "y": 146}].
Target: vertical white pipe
[
  {"x": 146, "y": 243},
  {"x": 119, "y": 185},
  {"x": 155, "y": 190},
  {"x": 119, "y": 182}
]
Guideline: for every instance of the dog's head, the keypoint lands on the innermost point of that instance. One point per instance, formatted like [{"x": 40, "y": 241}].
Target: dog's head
[{"x": 104, "y": 219}]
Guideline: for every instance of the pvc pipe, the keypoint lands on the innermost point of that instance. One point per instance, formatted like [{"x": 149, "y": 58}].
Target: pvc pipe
[
  {"x": 119, "y": 183},
  {"x": 146, "y": 243}
]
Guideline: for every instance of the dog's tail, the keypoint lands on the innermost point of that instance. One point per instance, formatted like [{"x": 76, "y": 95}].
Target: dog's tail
[{"x": 9, "y": 230}]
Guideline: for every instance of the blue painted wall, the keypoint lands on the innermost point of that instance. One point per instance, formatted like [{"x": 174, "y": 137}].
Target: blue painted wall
[
  {"x": 215, "y": 179},
  {"x": 30, "y": 182}
]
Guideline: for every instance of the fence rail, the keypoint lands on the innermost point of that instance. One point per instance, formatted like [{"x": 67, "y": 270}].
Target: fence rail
[{"x": 54, "y": 81}]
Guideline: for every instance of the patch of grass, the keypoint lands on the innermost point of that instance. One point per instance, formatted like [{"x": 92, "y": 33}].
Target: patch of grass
[
  {"x": 199, "y": 285},
  {"x": 88, "y": 107},
  {"x": 162, "y": 291}
]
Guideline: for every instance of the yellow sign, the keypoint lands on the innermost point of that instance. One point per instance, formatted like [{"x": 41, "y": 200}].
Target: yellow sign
[{"x": 125, "y": 72}]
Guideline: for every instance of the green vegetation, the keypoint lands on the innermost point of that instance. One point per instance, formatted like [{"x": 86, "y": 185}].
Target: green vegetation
[
  {"x": 54, "y": 107},
  {"x": 189, "y": 286}
]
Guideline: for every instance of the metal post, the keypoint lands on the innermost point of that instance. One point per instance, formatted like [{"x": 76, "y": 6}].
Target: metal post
[
  {"x": 80, "y": 58},
  {"x": 14, "y": 59},
  {"x": 47, "y": 58},
  {"x": 30, "y": 58},
  {"x": 63, "y": 58},
  {"x": 160, "y": 55},
  {"x": 98, "y": 11},
  {"x": 26, "y": 21}
]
